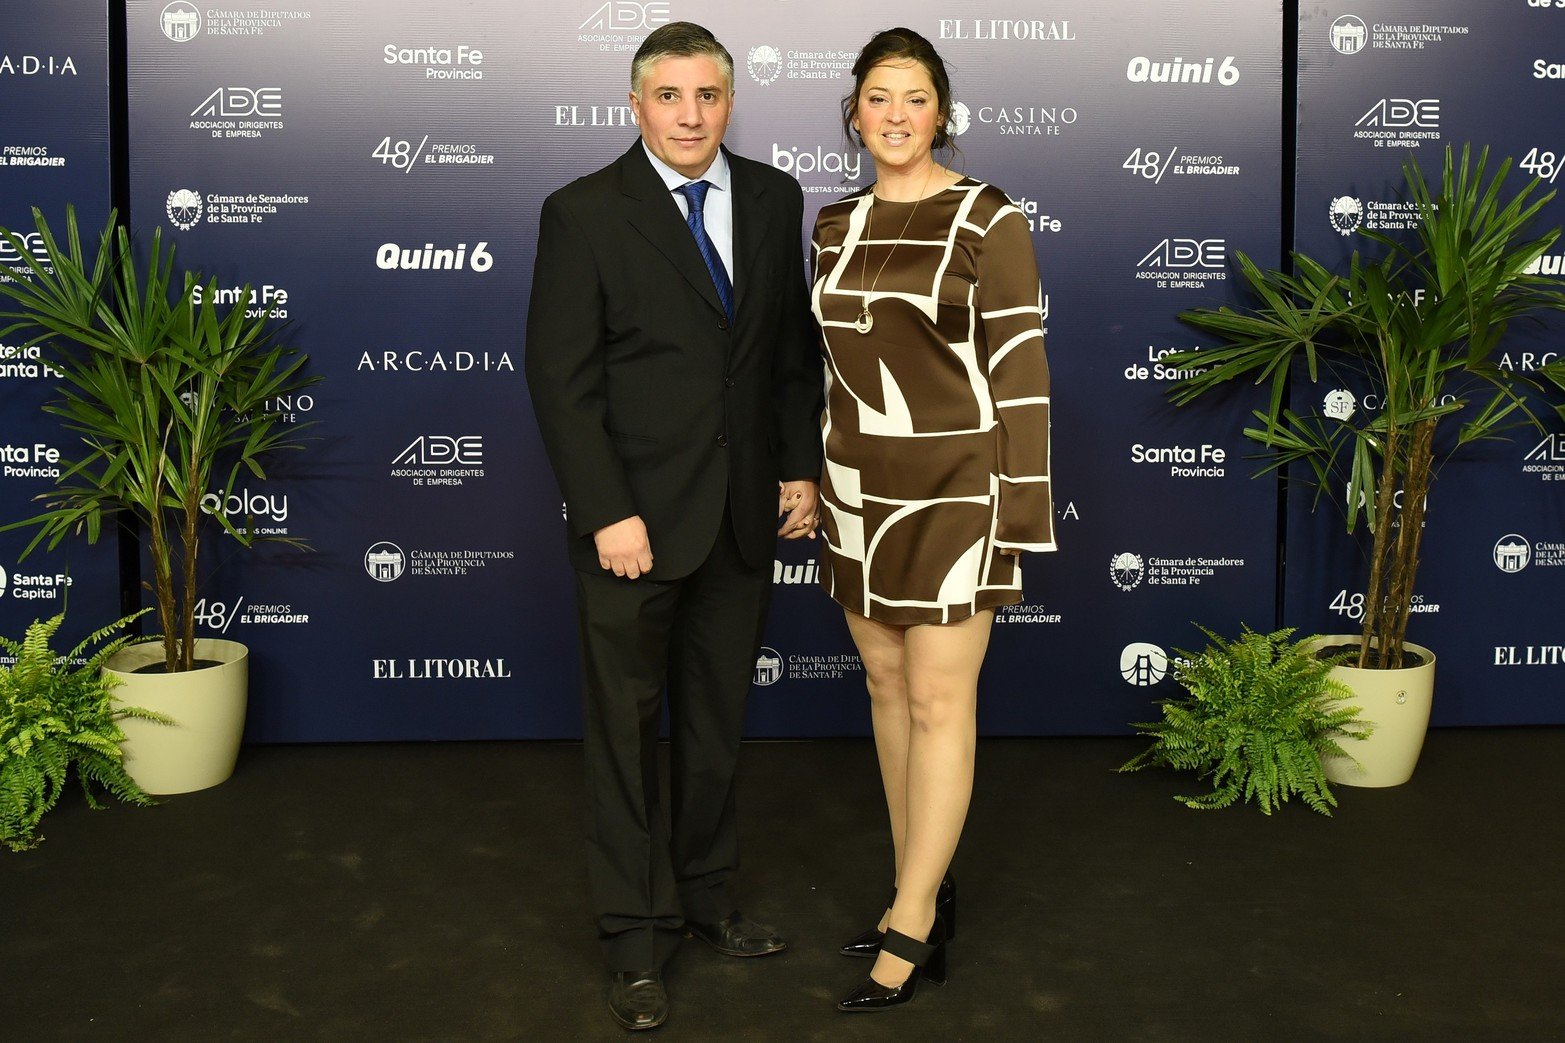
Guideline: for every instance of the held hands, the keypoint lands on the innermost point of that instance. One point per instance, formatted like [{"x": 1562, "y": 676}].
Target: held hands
[
  {"x": 623, "y": 547},
  {"x": 801, "y": 499}
]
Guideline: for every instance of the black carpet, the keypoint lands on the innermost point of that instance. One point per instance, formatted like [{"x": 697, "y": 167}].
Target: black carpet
[{"x": 436, "y": 892}]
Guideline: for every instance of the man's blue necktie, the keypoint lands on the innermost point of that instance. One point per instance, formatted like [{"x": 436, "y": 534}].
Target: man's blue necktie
[{"x": 695, "y": 194}]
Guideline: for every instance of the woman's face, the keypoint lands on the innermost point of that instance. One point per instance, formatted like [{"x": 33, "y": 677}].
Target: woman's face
[{"x": 898, "y": 114}]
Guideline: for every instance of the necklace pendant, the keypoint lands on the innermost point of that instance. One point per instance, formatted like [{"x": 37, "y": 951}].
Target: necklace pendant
[{"x": 865, "y": 322}]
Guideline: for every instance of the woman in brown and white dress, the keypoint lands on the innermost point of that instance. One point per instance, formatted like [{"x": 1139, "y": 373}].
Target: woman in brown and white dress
[{"x": 936, "y": 428}]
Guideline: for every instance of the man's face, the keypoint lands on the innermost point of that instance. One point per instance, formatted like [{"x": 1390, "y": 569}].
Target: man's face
[{"x": 683, "y": 109}]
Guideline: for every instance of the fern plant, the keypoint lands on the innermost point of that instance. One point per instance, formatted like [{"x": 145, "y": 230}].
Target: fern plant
[
  {"x": 55, "y": 716},
  {"x": 1261, "y": 713}
]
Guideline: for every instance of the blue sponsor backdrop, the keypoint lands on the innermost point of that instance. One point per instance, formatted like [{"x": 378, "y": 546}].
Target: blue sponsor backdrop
[
  {"x": 374, "y": 168},
  {"x": 377, "y": 168},
  {"x": 54, "y": 150},
  {"x": 1378, "y": 82}
]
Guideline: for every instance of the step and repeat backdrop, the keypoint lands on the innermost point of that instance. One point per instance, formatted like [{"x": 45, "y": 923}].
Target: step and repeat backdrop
[
  {"x": 54, "y": 150},
  {"x": 373, "y": 170},
  {"x": 1380, "y": 83}
]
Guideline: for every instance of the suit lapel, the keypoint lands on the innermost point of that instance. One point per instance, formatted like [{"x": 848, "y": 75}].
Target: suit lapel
[
  {"x": 750, "y": 229},
  {"x": 656, "y": 216}
]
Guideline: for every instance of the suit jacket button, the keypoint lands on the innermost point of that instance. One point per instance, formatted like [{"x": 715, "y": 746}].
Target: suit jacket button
[
  {"x": 722, "y": 441},
  {"x": 722, "y": 324},
  {"x": 728, "y": 382}
]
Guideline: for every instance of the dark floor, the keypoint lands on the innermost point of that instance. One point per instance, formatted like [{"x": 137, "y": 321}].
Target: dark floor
[{"x": 436, "y": 892}]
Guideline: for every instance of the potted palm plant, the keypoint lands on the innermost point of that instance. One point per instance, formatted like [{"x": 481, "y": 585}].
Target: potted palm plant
[
  {"x": 1420, "y": 325},
  {"x": 170, "y": 394}
]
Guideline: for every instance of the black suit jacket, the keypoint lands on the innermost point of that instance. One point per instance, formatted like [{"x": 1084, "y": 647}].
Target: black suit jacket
[{"x": 648, "y": 401}]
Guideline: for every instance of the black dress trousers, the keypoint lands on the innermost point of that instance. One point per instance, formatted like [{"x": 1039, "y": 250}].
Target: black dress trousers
[{"x": 695, "y": 638}]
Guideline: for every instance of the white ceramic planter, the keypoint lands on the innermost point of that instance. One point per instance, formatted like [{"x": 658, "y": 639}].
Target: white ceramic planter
[
  {"x": 1397, "y": 703},
  {"x": 207, "y": 706}
]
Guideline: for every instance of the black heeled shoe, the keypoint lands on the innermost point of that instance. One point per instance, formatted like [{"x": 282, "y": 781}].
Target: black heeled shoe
[
  {"x": 929, "y": 964},
  {"x": 868, "y": 943}
]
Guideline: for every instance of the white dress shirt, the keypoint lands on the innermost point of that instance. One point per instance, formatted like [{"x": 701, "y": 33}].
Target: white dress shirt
[{"x": 717, "y": 214}]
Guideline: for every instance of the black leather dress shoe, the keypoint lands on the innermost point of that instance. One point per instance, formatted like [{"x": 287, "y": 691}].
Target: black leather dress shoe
[
  {"x": 637, "y": 999},
  {"x": 736, "y": 936}
]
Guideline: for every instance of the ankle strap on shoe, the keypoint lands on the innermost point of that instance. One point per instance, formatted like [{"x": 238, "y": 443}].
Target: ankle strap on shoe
[{"x": 906, "y": 948}]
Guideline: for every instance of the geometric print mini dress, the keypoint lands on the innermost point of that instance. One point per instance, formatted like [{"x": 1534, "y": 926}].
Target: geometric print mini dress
[{"x": 936, "y": 426}]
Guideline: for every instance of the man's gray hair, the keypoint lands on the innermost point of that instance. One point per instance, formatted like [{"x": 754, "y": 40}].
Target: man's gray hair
[{"x": 679, "y": 40}]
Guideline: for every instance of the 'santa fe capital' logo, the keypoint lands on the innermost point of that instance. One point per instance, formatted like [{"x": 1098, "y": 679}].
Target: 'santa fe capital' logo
[
  {"x": 1143, "y": 664},
  {"x": 180, "y": 21}
]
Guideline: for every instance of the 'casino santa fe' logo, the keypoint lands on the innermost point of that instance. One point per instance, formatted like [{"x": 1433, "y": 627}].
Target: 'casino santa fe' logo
[
  {"x": 765, "y": 63},
  {"x": 961, "y": 119},
  {"x": 1340, "y": 405}
]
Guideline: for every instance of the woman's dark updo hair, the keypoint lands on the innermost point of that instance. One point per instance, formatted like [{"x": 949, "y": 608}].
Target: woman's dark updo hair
[{"x": 901, "y": 45}]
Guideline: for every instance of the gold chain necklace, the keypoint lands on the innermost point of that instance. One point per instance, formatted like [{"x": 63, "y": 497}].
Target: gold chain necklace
[{"x": 866, "y": 322}]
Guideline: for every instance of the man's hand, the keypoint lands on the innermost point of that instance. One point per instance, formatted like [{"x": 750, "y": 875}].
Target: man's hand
[
  {"x": 623, "y": 547},
  {"x": 801, "y": 499}
]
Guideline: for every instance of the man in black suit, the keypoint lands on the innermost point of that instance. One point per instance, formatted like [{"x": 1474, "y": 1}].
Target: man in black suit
[{"x": 674, "y": 373}]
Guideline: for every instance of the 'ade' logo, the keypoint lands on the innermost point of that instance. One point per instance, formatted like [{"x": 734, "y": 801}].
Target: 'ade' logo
[
  {"x": 433, "y": 450},
  {"x": 1400, "y": 113},
  {"x": 1187, "y": 253},
  {"x": 627, "y": 14},
  {"x": 242, "y": 101},
  {"x": 32, "y": 242}
]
